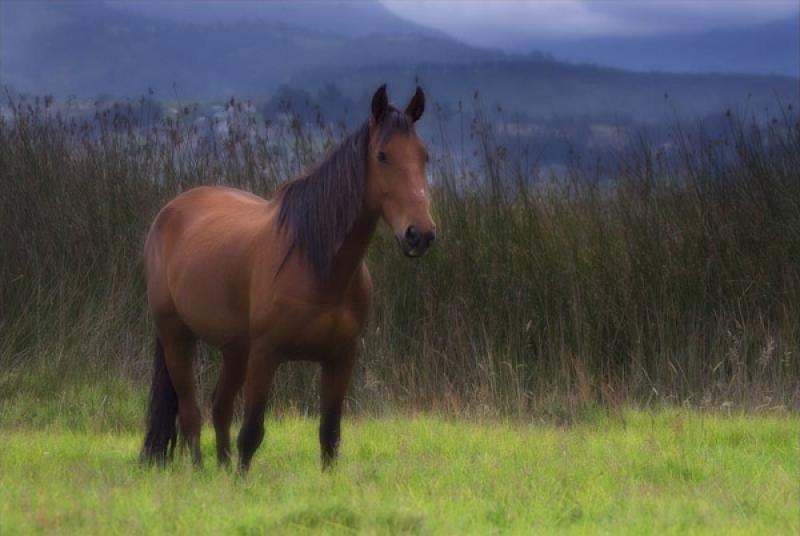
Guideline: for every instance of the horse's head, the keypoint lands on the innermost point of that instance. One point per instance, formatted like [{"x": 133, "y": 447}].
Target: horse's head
[{"x": 396, "y": 179}]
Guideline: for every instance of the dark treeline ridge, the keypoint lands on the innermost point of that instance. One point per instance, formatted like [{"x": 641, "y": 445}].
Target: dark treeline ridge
[{"x": 667, "y": 275}]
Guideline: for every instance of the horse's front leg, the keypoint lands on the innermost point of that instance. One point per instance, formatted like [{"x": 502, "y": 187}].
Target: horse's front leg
[
  {"x": 261, "y": 367},
  {"x": 231, "y": 378},
  {"x": 336, "y": 375}
]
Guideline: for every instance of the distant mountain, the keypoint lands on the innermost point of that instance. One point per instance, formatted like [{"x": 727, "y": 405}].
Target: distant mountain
[
  {"x": 89, "y": 47},
  {"x": 337, "y": 17},
  {"x": 772, "y": 48},
  {"x": 547, "y": 89},
  {"x": 93, "y": 47}
]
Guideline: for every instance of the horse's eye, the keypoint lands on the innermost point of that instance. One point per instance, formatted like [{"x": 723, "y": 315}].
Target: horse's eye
[{"x": 382, "y": 157}]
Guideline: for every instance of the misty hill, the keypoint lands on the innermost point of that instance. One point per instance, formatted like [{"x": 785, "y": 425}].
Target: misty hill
[
  {"x": 771, "y": 48},
  {"x": 93, "y": 47},
  {"x": 337, "y": 17},
  {"x": 541, "y": 88}
]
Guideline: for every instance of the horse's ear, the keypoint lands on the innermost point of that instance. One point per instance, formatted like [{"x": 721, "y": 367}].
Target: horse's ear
[
  {"x": 417, "y": 105},
  {"x": 380, "y": 104}
]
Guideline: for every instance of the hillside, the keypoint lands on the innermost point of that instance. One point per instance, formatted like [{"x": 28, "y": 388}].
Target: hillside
[
  {"x": 88, "y": 48},
  {"x": 540, "y": 88},
  {"x": 93, "y": 47},
  {"x": 339, "y": 17},
  {"x": 770, "y": 48}
]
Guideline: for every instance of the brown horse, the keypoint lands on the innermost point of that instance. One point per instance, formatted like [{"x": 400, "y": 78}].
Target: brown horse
[{"x": 281, "y": 280}]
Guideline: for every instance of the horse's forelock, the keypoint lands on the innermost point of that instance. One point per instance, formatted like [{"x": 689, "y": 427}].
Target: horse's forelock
[{"x": 395, "y": 122}]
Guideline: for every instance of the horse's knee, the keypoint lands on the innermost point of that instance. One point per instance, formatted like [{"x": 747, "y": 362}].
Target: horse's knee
[{"x": 230, "y": 381}]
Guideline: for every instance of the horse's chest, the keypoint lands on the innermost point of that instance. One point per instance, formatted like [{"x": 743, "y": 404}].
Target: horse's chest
[
  {"x": 332, "y": 327},
  {"x": 308, "y": 331}
]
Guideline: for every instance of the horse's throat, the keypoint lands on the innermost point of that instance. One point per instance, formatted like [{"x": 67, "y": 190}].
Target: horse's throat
[{"x": 347, "y": 260}]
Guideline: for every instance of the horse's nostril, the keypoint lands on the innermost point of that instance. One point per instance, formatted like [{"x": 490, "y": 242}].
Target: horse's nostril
[{"x": 412, "y": 236}]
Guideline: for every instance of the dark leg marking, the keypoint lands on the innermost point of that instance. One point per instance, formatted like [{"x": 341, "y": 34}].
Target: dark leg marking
[
  {"x": 230, "y": 381},
  {"x": 335, "y": 379},
  {"x": 260, "y": 371}
]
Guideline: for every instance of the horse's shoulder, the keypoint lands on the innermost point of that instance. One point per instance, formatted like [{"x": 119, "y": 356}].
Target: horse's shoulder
[{"x": 361, "y": 290}]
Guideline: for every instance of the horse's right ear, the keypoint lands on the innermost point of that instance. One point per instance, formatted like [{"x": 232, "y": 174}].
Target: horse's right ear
[
  {"x": 416, "y": 106},
  {"x": 380, "y": 104}
]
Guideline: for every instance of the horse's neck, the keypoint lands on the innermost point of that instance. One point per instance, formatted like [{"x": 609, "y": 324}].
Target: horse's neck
[{"x": 348, "y": 259}]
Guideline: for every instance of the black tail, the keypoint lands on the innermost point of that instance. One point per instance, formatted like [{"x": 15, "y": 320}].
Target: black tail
[{"x": 162, "y": 410}]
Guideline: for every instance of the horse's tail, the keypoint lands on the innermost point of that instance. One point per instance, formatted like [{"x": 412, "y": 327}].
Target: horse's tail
[{"x": 162, "y": 410}]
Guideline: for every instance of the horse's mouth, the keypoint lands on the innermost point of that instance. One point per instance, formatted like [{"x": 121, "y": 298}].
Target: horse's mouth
[{"x": 412, "y": 252}]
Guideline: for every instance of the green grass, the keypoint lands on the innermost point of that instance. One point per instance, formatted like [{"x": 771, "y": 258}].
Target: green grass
[{"x": 635, "y": 472}]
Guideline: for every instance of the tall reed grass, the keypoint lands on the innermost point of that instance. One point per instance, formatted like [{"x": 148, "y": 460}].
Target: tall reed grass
[{"x": 666, "y": 274}]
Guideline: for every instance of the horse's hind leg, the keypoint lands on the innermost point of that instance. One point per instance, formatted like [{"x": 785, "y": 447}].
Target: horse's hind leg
[
  {"x": 231, "y": 377},
  {"x": 179, "y": 348}
]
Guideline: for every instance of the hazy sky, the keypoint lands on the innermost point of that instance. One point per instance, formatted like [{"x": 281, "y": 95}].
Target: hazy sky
[{"x": 515, "y": 23}]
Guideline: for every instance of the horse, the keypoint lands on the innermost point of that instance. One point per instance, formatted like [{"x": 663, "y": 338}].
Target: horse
[{"x": 271, "y": 281}]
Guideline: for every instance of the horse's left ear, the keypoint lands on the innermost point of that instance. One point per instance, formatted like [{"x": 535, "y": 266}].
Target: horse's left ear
[
  {"x": 417, "y": 105},
  {"x": 380, "y": 104}
]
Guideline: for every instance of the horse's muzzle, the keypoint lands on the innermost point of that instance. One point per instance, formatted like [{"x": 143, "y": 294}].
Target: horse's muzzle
[{"x": 415, "y": 243}]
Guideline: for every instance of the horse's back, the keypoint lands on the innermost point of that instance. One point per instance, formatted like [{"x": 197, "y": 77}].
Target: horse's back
[
  {"x": 202, "y": 216},
  {"x": 199, "y": 256}
]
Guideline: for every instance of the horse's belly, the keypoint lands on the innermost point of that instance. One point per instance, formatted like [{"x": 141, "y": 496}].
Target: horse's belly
[
  {"x": 218, "y": 327},
  {"x": 210, "y": 308}
]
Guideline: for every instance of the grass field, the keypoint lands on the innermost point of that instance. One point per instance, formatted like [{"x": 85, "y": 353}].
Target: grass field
[{"x": 670, "y": 471}]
